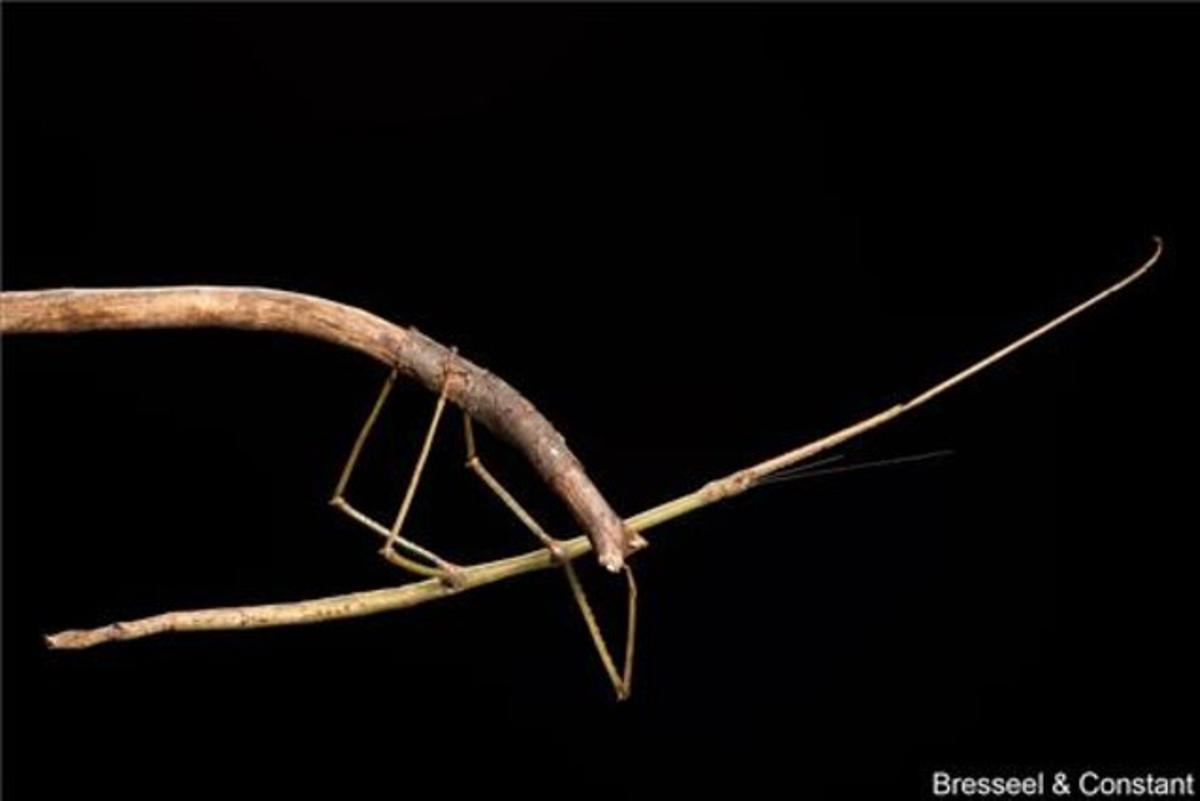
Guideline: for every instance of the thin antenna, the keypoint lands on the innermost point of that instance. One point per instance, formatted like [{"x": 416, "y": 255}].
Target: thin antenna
[{"x": 810, "y": 470}]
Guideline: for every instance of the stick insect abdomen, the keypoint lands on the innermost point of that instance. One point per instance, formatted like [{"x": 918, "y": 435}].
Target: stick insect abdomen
[{"x": 484, "y": 396}]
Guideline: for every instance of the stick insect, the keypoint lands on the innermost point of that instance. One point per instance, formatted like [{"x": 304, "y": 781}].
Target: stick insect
[
  {"x": 483, "y": 398},
  {"x": 435, "y": 566}
]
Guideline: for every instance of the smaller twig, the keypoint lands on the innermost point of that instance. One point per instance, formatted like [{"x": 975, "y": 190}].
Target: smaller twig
[{"x": 394, "y": 598}]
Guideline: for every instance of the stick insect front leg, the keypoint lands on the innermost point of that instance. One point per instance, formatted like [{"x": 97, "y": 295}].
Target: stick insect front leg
[
  {"x": 621, "y": 682},
  {"x": 440, "y": 568}
]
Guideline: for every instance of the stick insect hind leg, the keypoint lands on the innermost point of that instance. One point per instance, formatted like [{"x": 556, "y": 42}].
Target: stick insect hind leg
[
  {"x": 438, "y": 567},
  {"x": 621, "y": 681}
]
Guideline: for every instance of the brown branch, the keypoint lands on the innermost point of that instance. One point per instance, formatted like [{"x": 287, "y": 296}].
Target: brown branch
[
  {"x": 375, "y": 601},
  {"x": 484, "y": 396}
]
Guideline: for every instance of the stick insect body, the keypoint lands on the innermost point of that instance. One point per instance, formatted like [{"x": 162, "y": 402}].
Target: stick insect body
[
  {"x": 482, "y": 397},
  {"x": 481, "y": 394}
]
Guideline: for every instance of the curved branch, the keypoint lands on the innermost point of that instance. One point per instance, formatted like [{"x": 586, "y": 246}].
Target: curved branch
[{"x": 484, "y": 396}]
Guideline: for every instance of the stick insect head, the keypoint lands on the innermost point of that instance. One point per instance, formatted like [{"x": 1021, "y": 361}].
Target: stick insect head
[
  {"x": 612, "y": 548},
  {"x": 491, "y": 401}
]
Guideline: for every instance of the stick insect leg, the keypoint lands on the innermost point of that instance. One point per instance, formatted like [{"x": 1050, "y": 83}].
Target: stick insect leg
[
  {"x": 621, "y": 682},
  {"x": 476, "y": 466},
  {"x": 339, "y": 502},
  {"x": 447, "y": 570}
]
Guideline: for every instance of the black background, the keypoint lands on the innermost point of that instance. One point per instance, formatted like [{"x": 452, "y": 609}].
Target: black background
[{"x": 694, "y": 237}]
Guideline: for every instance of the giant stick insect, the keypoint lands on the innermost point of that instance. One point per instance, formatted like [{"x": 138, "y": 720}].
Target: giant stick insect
[{"x": 482, "y": 397}]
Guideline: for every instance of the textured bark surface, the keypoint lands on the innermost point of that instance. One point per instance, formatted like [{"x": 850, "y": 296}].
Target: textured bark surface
[{"x": 484, "y": 396}]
